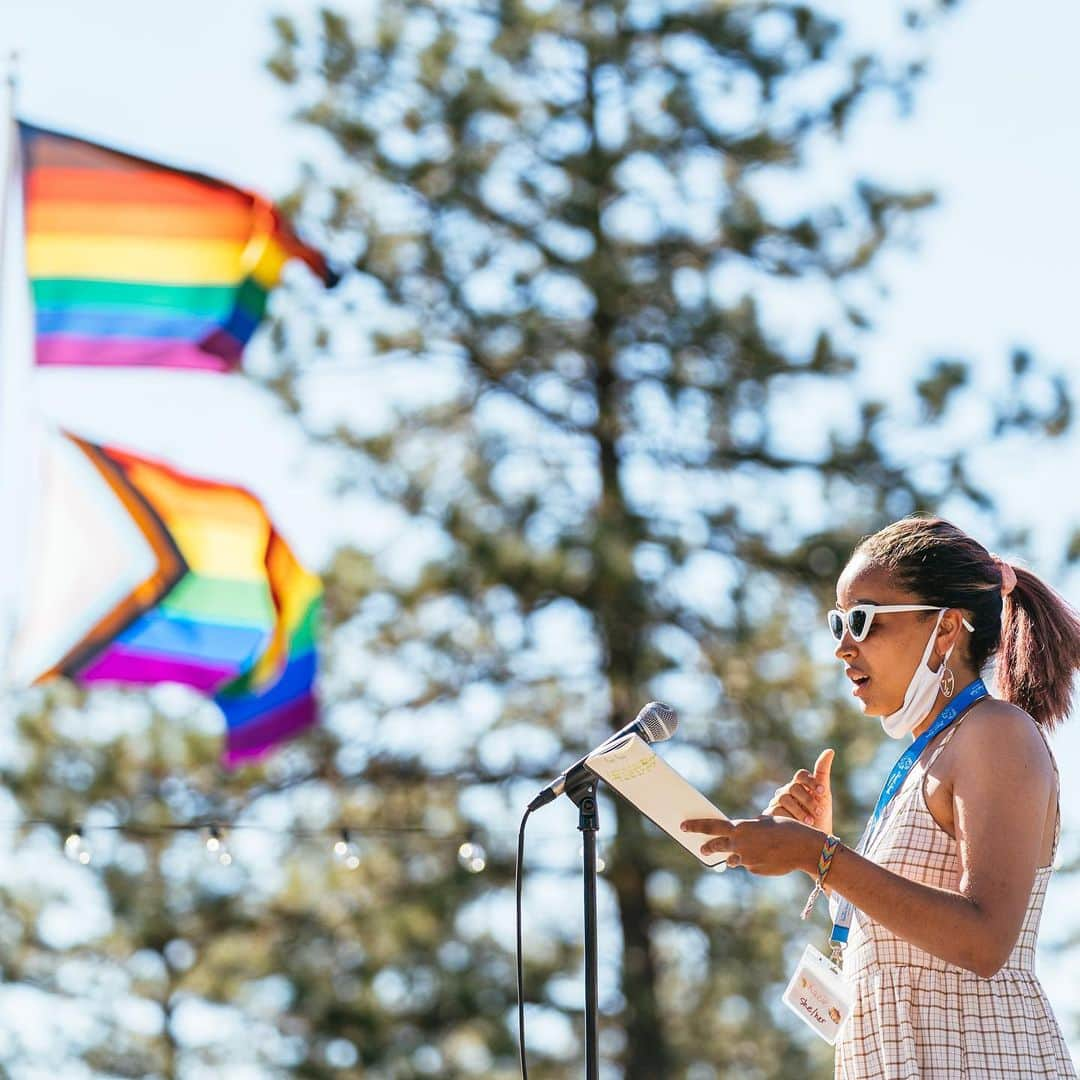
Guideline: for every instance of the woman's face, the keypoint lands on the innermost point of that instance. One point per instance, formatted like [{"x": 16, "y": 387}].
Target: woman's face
[{"x": 881, "y": 666}]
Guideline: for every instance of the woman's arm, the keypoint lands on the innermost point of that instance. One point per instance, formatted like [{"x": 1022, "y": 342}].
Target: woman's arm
[{"x": 1001, "y": 788}]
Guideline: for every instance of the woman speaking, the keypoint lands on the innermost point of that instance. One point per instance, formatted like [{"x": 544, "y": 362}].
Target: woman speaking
[{"x": 936, "y": 911}]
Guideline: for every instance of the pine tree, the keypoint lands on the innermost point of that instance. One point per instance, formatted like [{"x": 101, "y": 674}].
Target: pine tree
[
  {"x": 598, "y": 460},
  {"x": 578, "y": 233}
]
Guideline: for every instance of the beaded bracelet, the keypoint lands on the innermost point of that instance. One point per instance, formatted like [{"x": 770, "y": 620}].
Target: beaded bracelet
[{"x": 824, "y": 865}]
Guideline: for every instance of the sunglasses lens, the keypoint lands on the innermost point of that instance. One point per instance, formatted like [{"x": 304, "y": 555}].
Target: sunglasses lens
[
  {"x": 836, "y": 624},
  {"x": 857, "y": 622}
]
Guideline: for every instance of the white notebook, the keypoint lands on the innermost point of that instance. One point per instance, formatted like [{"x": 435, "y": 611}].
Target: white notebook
[{"x": 666, "y": 798}]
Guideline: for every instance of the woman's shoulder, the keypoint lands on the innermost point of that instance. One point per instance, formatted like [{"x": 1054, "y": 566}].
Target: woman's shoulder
[{"x": 1003, "y": 736}]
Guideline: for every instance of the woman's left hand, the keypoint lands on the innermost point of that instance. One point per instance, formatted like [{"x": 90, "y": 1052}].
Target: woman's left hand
[{"x": 764, "y": 845}]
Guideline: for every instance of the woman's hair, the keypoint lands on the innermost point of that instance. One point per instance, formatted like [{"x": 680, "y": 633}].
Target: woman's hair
[{"x": 1033, "y": 631}]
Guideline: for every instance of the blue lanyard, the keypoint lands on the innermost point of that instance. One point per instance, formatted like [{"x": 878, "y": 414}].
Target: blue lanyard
[{"x": 960, "y": 704}]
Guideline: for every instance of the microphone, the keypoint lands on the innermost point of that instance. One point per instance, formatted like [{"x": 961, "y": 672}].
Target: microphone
[{"x": 655, "y": 723}]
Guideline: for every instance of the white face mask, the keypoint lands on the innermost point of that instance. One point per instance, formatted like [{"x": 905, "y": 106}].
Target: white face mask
[{"x": 921, "y": 693}]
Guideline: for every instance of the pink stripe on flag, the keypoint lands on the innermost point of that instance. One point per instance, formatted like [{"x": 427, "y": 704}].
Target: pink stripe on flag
[
  {"x": 144, "y": 669},
  {"x": 255, "y": 738},
  {"x": 65, "y": 350}
]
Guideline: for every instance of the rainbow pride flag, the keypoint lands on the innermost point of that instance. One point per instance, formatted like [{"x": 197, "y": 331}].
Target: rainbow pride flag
[
  {"x": 132, "y": 262},
  {"x": 146, "y": 575}
]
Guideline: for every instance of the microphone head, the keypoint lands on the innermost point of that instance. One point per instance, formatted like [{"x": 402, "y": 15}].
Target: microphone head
[{"x": 656, "y": 722}]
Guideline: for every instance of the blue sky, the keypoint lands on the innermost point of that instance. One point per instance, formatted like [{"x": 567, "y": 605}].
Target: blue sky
[{"x": 994, "y": 131}]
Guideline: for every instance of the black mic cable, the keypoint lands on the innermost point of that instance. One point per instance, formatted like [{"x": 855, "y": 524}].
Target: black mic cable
[{"x": 519, "y": 873}]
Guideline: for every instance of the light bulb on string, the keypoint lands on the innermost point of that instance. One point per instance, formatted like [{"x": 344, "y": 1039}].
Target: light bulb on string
[
  {"x": 472, "y": 857},
  {"x": 75, "y": 846},
  {"x": 346, "y": 851},
  {"x": 216, "y": 847}
]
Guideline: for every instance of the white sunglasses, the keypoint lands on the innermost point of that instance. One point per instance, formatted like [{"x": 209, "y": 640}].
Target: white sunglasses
[{"x": 857, "y": 619}]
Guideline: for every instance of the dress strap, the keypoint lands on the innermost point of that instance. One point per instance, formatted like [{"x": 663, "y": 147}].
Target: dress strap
[
  {"x": 919, "y": 772},
  {"x": 1057, "y": 778},
  {"x": 950, "y": 731}
]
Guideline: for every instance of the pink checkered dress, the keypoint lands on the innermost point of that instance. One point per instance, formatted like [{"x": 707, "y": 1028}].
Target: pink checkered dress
[{"x": 919, "y": 1018}]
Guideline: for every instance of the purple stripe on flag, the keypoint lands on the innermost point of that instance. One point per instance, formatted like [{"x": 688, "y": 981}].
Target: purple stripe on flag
[
  {"x": 144, "y": 669},
  {"x": 255, "y": 738},
  {"x": 224, "y": 344}
]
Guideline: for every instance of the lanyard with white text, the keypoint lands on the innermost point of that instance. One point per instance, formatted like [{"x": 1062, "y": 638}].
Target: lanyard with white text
[{"x": 960, "y": 704}]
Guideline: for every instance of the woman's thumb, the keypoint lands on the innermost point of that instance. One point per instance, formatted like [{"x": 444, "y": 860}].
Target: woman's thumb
[{"x": 823, "y": 766}]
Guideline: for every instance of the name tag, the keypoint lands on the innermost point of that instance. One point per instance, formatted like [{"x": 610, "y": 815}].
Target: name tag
[{"x": 819, "y": 994}]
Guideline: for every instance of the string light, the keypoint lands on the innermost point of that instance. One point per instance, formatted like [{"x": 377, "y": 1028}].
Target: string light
[
  {"x": 601, "y": 866},
  {"x": 472, "y": 857},
  {"x": 344, "y": 849},
  {"x": 346, "y": 852},
  {"x": 216, "y": 846},
  {"x": 75, "y": 846}
]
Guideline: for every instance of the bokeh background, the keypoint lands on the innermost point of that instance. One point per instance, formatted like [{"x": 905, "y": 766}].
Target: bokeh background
[{"x": 651, "y": 309}]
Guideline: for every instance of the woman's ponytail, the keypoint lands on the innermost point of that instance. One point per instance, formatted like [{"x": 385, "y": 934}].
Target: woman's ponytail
[{"x": 1039, "y": 651}]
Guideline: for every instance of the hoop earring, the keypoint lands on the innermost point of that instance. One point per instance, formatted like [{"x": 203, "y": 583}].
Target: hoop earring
[{"x": 948, "y": 680}]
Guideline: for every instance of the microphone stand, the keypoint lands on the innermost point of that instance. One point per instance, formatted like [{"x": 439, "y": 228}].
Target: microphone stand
[{"x": 583, "y": 795}]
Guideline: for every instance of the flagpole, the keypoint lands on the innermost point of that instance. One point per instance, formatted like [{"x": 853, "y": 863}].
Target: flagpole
[
  {"x": 7, "y": 628},
  {"x": 11, "y": 85},
  {"x": 14, "y": 363}
]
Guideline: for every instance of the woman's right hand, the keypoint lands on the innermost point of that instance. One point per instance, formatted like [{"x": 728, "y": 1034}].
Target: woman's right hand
[{"x": 808, "y": 796}]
